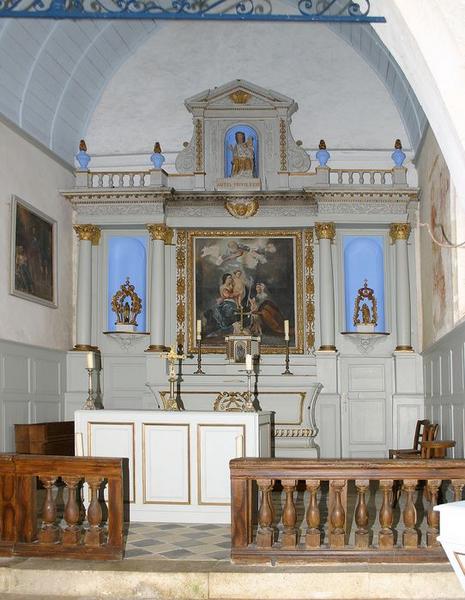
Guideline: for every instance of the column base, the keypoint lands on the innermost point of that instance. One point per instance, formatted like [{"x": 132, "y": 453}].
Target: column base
[
  {"x": 157, "y": 348},
  {"x": 327, "y": 349},
  {"x": 404, "y": 349},
  {"x": 85, "y": 348}
]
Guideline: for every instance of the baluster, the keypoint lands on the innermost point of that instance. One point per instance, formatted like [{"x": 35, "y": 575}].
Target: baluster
[
  {"x": 289, "y": 539},
  {"x": 410, "y": 537},
  {"x": 100, "y": 179},
  {"x": 457, "y": 486},
  {"x": 432, "y": 516},
  {"x": 351, "y": 177},
  {"x": 111, "y": 180},
  {"x": 383, "y": 177},
  {"x": 339, "y": 176},
  {"x": 131, "y": 179},
  {"x": 49, "y": 532},
  {"x": 313, "y": 535},
  {"x": 71, "y": 533},
  {"x": 142, "y": 179},
  {"x": 361, "y": 514},
  {"x": 372, "y": 177},
  {"x": 386, "y": 535},
  {"x": 90, "y": 179},
  {"x": 337, "y": 516},
  {"x": 94, "y": 535},
  {"x": 265, "y": 515}
]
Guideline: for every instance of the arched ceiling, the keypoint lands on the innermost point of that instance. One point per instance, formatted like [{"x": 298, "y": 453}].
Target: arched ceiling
[{"x": 52, "y": 73}]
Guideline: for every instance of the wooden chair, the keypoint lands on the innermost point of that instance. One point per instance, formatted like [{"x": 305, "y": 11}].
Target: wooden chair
[
  {"x": 421, "y": 434},
  {"x": 436, "y": 448}
]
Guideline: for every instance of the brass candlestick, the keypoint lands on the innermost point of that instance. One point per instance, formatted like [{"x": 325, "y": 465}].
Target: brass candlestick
[
  {"x": 199, "y": 357},
  {"x": 248, "y": 406},
  {"x": 286, "y": 370},
  {"x": 92, "y": 402}
]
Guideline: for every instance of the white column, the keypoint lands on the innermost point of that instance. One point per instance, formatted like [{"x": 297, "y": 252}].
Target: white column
[
  {"x": 88, "y": 236},
  {"x": 160, "y": 235},
  {"x": 326, "y": 232},
  {"x": 399, "y": 233}
]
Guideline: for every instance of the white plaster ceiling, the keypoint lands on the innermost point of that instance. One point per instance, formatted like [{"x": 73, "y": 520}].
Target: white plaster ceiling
[{"x": 122, "y": 84}]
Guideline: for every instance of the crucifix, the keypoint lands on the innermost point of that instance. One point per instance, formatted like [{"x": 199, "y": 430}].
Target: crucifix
[{"x": 243, "y": 313}]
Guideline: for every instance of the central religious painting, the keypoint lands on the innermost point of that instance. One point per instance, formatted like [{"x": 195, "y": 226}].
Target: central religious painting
[{"x": 245, "y": 282}]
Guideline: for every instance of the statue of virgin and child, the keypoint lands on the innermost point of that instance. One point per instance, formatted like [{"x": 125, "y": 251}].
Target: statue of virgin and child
[{"x": 243, "y": 157}]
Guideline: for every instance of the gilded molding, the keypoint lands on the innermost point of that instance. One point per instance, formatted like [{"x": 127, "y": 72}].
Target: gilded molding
[
  {"x": 242, "y": 208},
  {"x": 181, "y": 288},
  {"x": 88, "y": 232},
  {"x": 399, "y": 231},
  {"x": 309, "y": 290},
  {"x": 198, "y": 146},
  {"x": 325, "y": 231},
  {"x": 159, "y": 231},
  {"x": 282, "y": 145}
]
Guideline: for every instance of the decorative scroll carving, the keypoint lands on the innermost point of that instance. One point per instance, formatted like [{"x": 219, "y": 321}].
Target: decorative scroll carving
[
  {"x": 159, "y": 231},
  {"x": 88, "y": 232},
  {"x": 231, "y": 402},
  {"x": 298, "y": 160},
  {"x": 185, "y": 160},
  {"x": 294, "y": 433},
  {"x": 240, "y": 97}
]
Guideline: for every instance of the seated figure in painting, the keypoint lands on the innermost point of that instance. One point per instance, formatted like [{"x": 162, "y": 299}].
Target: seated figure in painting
[
  {"x": 242, "y": 156},
  {"x": 225, "y": 311},
  {"x": 266, "y": 315}
]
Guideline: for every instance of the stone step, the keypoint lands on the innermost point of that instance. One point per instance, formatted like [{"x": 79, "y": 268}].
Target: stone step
[{"x": 42, "y": 579}]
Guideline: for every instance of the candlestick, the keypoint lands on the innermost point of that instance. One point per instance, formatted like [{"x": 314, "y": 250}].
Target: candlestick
[
  {"x": 286, "y": 370},
  {"x": 286, "y": 330},
  {"x": 90, "y": 402},
  {"x": 199, "y": 357},
  {"x": 199, "y": 329}
]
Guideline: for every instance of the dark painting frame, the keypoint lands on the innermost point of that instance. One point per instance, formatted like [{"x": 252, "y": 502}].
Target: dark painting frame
[{"x": 33, "y": 266}]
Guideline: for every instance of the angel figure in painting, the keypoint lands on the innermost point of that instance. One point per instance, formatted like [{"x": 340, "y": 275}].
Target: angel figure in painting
[{"x": 242, "y": 156}]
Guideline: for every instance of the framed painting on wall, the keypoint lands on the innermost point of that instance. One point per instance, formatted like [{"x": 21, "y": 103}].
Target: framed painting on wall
[
  {"x": 33, "y": 254},
  {"x": 237, "y": 281}
]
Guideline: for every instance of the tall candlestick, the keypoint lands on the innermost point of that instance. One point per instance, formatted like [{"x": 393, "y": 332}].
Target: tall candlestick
[
  {"x": 248, "y": 362},
  {"x": 286, "y": 330},
  {"x": 199, "y": 329}
]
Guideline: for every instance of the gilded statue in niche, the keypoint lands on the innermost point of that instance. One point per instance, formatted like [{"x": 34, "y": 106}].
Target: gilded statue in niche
[{"x": 241, "y": 152}]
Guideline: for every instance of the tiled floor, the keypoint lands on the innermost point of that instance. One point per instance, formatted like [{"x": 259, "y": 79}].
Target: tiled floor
[{"x": 178, "y": 541}]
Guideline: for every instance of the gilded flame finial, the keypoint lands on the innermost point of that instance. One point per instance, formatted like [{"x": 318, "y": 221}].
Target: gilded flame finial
[
  {"x": 157, "y": 148},
  {"x": 83, "y": 146},
  {"x": 398, "y": 144},
  {"x": 322, "y": 145}
]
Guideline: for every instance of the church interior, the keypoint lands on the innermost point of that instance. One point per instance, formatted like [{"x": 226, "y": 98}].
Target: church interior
[{"x": 234, "y": 239}]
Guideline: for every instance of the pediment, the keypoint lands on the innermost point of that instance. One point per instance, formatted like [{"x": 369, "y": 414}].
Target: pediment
[{"x": 240, "y": 94}]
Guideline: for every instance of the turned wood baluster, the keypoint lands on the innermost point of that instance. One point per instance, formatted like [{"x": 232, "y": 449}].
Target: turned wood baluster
[
  {"x": 386, "y": 535},
  {"x": 313, "y": 536},
  {"x": 94, "y": 535},
  {"x": 457, "y": 485},
  {"x": 265, "y": 514},
  {"x": 361, "y": 514},
  {"x": 72, "y": 532},
  {"x": 289, "y": 538},
  {"x": 7, "y": 507},
  {"x": 49, "y": 532},
  {"x": 410, "y": 537},
  {"x": 337, "y": 515},
  {"x": 433, "y": 516}
]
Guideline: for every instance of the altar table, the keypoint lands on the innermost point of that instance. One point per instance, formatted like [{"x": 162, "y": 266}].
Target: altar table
[{"x": 178, "y": 461}]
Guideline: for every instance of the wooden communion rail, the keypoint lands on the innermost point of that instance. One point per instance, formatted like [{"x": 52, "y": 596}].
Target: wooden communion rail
[
  {"x": 256, "y": 537},
  {"x": 22, "y": 533}
]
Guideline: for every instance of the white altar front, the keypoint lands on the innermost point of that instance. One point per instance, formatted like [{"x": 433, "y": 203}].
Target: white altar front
[{"x": 178, "y": 461}]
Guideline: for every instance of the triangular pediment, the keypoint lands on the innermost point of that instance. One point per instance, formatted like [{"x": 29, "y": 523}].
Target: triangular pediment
[{"x": 239, "y": 94}]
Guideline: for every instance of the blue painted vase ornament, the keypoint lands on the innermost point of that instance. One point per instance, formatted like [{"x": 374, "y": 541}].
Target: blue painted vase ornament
[
  {"x": 322, "y": 155},
  {"x": 157, "y": 157},
  {"x": 398, "y": 156},
  {"x": 82, "y": 157}
]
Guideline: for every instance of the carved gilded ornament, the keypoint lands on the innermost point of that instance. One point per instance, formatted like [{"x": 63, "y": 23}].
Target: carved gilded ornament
[
  {"x": 283, "y": 145},
  {"x": 240, "y": 97},
  {"x": 88, "y": 232},
  {"x": 309, "y": 290},
  {"x": 159, "y": 231},
  {"x": 399, "y": 231},
  {"x": 126, "y": 312},
  {"x": 198, "y": 146},
  {"x": 242, "y": 208},
  {"x": 325, "y": 231}
]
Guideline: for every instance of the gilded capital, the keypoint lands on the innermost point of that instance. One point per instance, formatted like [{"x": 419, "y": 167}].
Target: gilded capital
[
  {"x": 325, "y": 231},
  {"x": 399, "y": 231},
  {"x": 159, "y": 231},
  {"x": 88, "y": 232}
]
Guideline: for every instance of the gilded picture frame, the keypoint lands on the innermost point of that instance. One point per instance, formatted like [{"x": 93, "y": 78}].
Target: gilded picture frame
[
  {"x": 220, "y": 271},
  {"x": 33, "y": 258}
]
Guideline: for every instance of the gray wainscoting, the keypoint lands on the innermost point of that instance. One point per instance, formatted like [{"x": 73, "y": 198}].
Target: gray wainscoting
[
  {"x": 32, "y": 384},
  {"x": 444, "y": 377}
]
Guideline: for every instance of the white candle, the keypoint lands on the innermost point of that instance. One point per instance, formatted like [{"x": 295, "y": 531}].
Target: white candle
[
  {"x": 90, "y": 360},
  {"x": 239, "y": 444},
  {"x": 248, "y": 362},
  {"x": 286, "y": 330},
  {"x": 199, "y": 329}
]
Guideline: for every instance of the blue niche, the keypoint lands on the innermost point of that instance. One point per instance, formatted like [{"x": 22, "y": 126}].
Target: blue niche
[
  {"x": 230, "y": 142},
  {"x": 363, "y": 259},
  {"x": 127, "y": 257}
]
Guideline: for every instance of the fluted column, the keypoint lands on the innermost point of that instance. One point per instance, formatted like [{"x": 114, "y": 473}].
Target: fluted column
[
  {"x": 399, "y": 233},
  {"x": 88, "y": 235},
  {"x": 325, "y": 233},
  {"x": 160, "y": 235}
]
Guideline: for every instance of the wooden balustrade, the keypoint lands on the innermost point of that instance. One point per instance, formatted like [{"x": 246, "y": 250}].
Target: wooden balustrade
[
  {"x": 319, "y": 519},
  {"x": 32, "y": 521}
]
